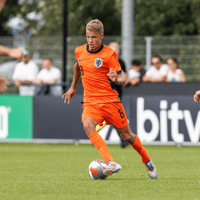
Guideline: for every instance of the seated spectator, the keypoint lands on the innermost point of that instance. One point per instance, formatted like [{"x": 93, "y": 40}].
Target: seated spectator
[
  {"x": 175, "y": 74},
  {"x": 48, "y": 77},
  {"x": 157, "y": 72},
  {"x": 136, "y": 73},
  {"x": 24, "y": 74}
]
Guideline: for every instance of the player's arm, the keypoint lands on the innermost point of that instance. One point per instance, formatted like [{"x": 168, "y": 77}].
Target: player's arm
[
  {"x": 115, "y": 72},
  {"x": 119, "y": 79},
  {"x": 72, "y": 90},
  {"x": 15, "y": 53},
  {"x": 197, "y": 96}
]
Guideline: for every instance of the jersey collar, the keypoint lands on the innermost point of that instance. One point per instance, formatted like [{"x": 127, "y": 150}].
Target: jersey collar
[{"x": 94, "y": 51}]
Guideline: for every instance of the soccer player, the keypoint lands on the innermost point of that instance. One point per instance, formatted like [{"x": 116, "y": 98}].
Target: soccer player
[
  {"x": 99, "y": 67},
  {"x": 15, "y": 53}
]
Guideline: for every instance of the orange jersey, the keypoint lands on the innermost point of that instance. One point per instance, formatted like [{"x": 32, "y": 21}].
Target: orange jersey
[{"x": 94, "y": 66}]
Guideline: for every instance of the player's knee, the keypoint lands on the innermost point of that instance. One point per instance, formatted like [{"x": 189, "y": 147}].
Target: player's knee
[
  {"x": 89, "y": 126},
  {"x": 127, "y": 137}
]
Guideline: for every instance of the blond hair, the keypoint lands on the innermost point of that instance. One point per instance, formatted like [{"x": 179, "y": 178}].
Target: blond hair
[{"x": 95, "y": 25}]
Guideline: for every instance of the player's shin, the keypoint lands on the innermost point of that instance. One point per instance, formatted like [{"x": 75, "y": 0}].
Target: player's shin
[
  {"x": 137, "y": 145},
  {"x": 100, "y": 144}
]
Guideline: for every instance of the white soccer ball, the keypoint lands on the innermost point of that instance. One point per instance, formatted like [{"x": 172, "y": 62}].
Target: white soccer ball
[{"x": 96, "y": 168}]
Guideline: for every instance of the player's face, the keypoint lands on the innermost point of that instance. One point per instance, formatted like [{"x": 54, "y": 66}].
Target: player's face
[
  {"x": 47, "y": 64},
  {"x": 94, "y": 40}
]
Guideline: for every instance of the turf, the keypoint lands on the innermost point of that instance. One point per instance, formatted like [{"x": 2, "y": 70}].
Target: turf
[{"x": 56, "y": 172}]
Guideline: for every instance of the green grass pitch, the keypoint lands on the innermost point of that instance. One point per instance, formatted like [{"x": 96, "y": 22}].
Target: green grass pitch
[{"x": 60, "y": 172}]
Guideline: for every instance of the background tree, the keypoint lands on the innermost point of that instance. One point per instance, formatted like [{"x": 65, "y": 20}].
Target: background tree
[
  {"x": 80, "y": 12},
  {"x": 166, "y": 17},
  {"x": 10, "y": 8},
  {"x": 196, "y": 13}
]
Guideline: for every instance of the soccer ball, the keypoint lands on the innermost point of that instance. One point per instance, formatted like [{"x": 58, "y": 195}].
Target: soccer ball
[{"x": 96, "y": 168}]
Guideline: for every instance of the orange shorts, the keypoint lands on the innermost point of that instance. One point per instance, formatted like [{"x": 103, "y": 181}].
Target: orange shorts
[{"x": 112, "y": 113}]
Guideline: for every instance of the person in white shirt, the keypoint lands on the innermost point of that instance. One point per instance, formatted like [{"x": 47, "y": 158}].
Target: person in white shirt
[
  {"x": 136, "y": 73},
  {"x": 24, "y": 74},
  {"x": 50, "y": 75},
  {"x": 157, "y": 72},
  {"x": 175, "y": 74}
]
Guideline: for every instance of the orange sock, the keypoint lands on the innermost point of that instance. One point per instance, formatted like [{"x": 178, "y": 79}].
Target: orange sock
[
  {"x": 137, "y": 145},
  {"x": 100, "y": 144}
]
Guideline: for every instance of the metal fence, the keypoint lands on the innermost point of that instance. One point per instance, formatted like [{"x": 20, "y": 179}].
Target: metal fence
[{"x": 186, "y": 49}]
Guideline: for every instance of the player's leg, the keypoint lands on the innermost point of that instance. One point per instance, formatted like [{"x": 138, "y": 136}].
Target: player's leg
[
  {"x": 89, "y": 125},
  {"x": 135, "y": 142},
  {"x": 123, "y": 142},
  {"x": 90, "y": 118},
  {"x": 117, "y": 117}
]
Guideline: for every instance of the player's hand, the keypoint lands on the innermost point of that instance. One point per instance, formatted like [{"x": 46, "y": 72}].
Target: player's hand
[
  {"x": 197, "y": 96},
  {"x": 16, "y": 53},
  {"x": 68, "y": 95},
  {"x": 3, "y": 84},
  {"x": 112, "y": 75}
]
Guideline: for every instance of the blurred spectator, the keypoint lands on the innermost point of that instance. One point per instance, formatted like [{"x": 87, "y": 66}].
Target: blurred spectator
[
  {"x": 175, "y": 74},
  {"x": 157, "y": 72},
  {"x": 24, "y": 74},
  {"x": 115, "y": 47},
  {"x": 136, "y": 73},
  {"x": 47, "y": 78}
]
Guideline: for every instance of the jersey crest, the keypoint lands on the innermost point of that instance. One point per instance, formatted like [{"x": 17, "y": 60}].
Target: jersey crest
[{"x": 98, "y": 62}]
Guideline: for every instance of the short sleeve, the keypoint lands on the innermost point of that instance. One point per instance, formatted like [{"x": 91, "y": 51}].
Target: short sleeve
[
  {"x": 40, "y": 75},
  {"x": 178, "y": 71},
  {"x": 133, "y": 74},
  {"x": 58, "y": 75},
  {"x": 164, "y": 70},
  {"x": 16, "y": 72},
  {"x": 149, "y": 72},
  {"x": 114, "y": 63}
]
